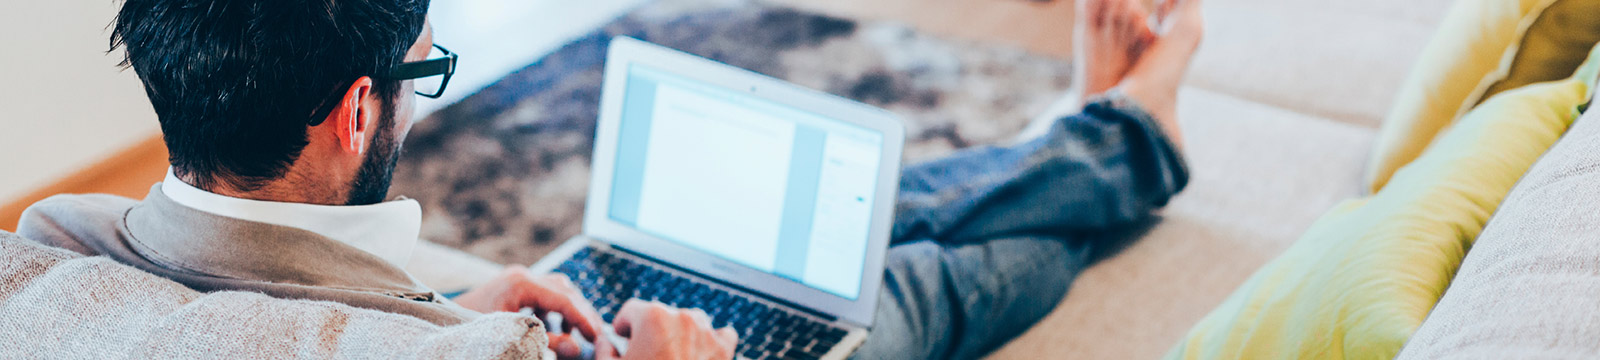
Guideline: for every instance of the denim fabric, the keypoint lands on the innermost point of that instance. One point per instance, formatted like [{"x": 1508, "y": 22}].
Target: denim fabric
[{"x": 986, "y": 242}]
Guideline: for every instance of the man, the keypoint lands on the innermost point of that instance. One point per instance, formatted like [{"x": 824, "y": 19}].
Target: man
[{"x": 284, "y": 120}]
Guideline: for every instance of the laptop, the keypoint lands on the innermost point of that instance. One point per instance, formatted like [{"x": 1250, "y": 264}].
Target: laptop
[{"x": 766, "y": 204}]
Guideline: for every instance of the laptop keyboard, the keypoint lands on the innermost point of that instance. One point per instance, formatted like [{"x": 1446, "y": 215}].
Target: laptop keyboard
[{"x": 765, "y": 332}]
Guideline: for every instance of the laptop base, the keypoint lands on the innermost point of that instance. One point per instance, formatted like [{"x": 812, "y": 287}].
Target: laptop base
[{"x": 768, "y": 328}]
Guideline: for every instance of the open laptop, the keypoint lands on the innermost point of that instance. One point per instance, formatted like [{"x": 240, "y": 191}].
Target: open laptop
[{"x": 765, "y": 204}]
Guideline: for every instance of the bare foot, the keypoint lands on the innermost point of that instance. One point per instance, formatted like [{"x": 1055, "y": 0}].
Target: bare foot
[
  {"x": 1111, "y": 35},
  {"x": 1158, "y": 72}
]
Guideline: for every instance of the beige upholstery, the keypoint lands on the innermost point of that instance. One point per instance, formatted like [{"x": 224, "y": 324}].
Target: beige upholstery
[
  {"x": 1528, "y": 287},
  {"x": 1279, "y": 117},
  {"x": 1340, "y": 60},
  {"x": 1283, "y": 103},
  {"x": 1281, "y": 110},
  {"x": 1261, "y": 176},
  {"x": 448, "y": 270}
]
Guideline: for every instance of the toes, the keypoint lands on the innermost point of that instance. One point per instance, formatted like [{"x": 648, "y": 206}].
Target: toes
[
  {"x": 1129, "y": 19},
  {"x": 1118, "y": 12},
  {"x": 1107, "y": 15},
  {"x": 1094, "y": 12}
]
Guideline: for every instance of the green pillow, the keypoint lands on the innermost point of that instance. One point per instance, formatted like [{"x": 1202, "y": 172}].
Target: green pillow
[{"x": 1363, "y": 278}]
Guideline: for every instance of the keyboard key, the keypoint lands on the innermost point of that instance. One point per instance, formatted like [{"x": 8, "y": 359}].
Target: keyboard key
[
  {"x": 608, "y": 280},
  {"x": 800, "y": 356},
  {"x": 782, "y": 333},
  {"x": 807, "y": 330}
]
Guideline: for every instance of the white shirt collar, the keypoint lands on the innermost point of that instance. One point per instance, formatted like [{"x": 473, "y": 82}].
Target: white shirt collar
[{"x": 387, "y": 230}]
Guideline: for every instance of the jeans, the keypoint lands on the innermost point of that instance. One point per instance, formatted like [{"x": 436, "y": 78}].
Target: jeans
[{"x": 986, "y": 242}]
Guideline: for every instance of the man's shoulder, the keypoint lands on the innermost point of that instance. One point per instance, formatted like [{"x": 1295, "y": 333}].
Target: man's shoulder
[
  {"x": 70, "y": 221},
  {"x": 81, "y": 203}
]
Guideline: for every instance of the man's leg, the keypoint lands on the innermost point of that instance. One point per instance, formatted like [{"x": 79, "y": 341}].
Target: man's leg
[
  {"x": 972, "y": 268},
  {"x": 981, "y": 247},
  {"x": 962, "y": 302}
]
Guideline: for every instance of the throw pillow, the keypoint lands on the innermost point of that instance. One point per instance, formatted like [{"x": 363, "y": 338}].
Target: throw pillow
[
  {"x": 1362, "y": 279},
  {"x": 1528, "y": 288},
  {"x": 1482, "y": 47},
  {"x": 1553, "y": 46}
]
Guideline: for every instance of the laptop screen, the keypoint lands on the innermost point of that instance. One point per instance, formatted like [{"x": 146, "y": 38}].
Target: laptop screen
[{"x": 772, "y": 187}]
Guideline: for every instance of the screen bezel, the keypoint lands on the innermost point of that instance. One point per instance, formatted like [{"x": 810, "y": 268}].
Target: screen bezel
[{"x": 625, "y": 52}]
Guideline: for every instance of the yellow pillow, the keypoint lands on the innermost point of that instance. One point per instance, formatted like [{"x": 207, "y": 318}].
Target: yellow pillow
[
  {"x": 1471, "y": 50},
  {"x": 1363, "y": 278},
  {"x": 1553, "y": 46}
]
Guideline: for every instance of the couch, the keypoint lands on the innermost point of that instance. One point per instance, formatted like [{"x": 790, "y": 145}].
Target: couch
[{"x": 1280, "y": 111}]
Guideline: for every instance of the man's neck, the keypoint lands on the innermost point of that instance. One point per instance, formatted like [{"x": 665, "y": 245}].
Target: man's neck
[
  {"x": 290, "y": 188},
  {"x": 388, "y": 230}
]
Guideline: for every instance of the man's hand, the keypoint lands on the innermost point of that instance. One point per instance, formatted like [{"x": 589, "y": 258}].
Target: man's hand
[
  {"x": 516, "y": 288},
  {"x": 658, "y": 331}
]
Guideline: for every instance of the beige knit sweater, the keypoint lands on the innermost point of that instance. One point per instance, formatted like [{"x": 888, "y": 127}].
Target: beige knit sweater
[{"x": 56, "y": 303}]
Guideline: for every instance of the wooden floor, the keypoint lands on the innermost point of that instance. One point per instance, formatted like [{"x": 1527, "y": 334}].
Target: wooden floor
[
  {"x": 130, "y": 173},
  {"x": 1043, "y": 27}
]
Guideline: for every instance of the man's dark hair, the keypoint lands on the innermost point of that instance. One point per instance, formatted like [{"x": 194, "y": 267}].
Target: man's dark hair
[{"x": 236, "y": 82}]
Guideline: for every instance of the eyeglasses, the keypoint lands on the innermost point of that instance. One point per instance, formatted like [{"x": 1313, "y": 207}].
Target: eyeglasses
[
  {"x": 426, "y": 73},
  {"x": 426, "y": 76}
]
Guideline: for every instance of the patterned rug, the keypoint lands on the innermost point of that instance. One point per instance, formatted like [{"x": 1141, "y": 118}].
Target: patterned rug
[{"x": 503, "y": 173}]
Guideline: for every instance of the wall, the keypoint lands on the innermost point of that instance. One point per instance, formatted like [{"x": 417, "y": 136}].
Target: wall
[
  {"x": 68, "y": 107},
  {"x": 64, "y": 104}
]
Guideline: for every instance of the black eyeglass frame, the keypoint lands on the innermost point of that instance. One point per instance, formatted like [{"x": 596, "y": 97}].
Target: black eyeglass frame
[
  {"x": 405, "y": 71},
  {"x": 431, "y": 67}
]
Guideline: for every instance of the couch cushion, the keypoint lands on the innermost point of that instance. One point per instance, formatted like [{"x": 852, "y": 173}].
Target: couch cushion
[
  {"x": 448, "y": 270},
  {"x": 1483, "y": 47},
  {"x": 57, "y": 304},
  {"x": 1363, "y": 277},
  {"x": 1336, "y": 60},
  {"x": 1251, "y": 192},
  {"x": 1556, "y": 43},
  {"x": 1530, "y": 287}
]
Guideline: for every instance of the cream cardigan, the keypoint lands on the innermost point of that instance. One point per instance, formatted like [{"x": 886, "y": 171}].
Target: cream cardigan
[{"x": 55, "y": 303}]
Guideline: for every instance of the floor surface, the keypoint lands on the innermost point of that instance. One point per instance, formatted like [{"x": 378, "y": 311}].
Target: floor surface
[{"x": 495, "y": 37}]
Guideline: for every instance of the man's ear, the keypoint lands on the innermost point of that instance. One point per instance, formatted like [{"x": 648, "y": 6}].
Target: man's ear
[{"x": 349, "y": 118}]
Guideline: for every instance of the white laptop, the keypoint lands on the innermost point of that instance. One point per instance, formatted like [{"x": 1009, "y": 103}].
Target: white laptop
[{"x": 766, "y": 204}]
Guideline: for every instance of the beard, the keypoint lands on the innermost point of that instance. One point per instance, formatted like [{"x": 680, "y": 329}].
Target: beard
[{"x": 371, "y": 184}]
